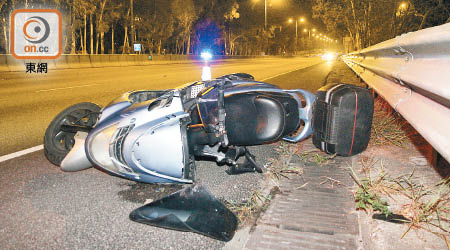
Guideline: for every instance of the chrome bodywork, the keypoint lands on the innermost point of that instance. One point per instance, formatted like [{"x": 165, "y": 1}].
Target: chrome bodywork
[
  {"x": 147, "y": 145},
  {"x": 76, "y": 159}
]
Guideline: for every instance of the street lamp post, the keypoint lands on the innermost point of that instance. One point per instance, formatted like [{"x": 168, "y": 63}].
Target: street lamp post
[
  {"x": 309, "y": 32},
  {"x": 302, "y": 20},
  {"x": 265, "y": 14}
]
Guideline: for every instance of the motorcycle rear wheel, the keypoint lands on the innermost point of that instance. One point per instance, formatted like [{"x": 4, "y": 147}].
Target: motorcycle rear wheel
[{"x": 57, "y": 143}]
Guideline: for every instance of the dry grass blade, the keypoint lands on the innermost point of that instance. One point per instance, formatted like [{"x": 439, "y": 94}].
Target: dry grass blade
[
  {"x": 387, "y": 127},
  {"x": 247, "y": 210},
  {"x": 280, "y": 170},
  {"x": 317, "y": 157},
  {"x": 426, "y": 207},
  {"x": 330, "y": 180},
  {"x": 446, "y": 241},
  {"x": 282, "y": 167}
]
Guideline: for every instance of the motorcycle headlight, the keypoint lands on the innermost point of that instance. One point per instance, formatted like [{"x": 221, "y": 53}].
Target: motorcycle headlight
[{"x": 99, "y": 148}]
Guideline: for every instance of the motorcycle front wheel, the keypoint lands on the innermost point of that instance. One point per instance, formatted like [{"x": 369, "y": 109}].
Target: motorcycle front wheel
[{"x": 57, "y": 143}]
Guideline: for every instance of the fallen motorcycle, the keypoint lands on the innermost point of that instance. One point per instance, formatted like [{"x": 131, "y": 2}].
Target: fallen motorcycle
[{"x": 154, "y": 136}]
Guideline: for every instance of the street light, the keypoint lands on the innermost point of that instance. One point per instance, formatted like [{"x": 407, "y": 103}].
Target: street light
[
  {"x": 309, "y": 32},
  {"x": 291, "y": 20},
  {"x": 403, "y": 5},
  {"x": 402, "y": 8},
  {"x": 265, "y": 13}
]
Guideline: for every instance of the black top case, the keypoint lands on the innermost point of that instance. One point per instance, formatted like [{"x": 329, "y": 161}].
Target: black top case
[{"x": 342, "y": 119}]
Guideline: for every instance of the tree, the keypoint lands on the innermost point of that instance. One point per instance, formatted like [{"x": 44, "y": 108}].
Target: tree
[
  {"x": 369, "y": 22},
  {"x": 112, "y": 16},
  {"x": 185, "y": 15},
  {"x": 6, "y": 7}
]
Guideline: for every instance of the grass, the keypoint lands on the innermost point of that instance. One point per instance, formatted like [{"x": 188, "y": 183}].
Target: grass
[
  {"x": 317, "y": 157},
  {"x": 425, "y": 207},
  {"x": 282, "y": 168},
  {"x": 387, "y": 127},
  {"x": 367, "y": 196},
  {"x": 249, "y": 210}
]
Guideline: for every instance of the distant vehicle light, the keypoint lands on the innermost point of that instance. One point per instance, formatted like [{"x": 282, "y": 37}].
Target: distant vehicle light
[
  {"x": 330, "y": 56},
  {"x": 206, "y": 56}
]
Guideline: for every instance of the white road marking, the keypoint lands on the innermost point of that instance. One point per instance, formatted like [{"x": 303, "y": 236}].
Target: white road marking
[
  {"x": 20, "y": 153},
  {"x": 72, "y": 87},
  {"x": 40, "y": 147},
  {"x": 285, "y": 73}
]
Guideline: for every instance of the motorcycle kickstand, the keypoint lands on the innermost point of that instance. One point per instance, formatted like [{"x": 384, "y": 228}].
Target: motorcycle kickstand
[{"x": 249, "y": 165}]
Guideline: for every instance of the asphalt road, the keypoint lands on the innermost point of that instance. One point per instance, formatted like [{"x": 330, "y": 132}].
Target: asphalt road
[{"x": 45, "y": 208}]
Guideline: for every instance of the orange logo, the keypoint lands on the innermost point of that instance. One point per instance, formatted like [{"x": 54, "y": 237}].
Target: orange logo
[{"x": 36, "y": 34}]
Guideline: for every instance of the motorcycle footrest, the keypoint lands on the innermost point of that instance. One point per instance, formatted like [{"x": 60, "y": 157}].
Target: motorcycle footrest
[{"x": 249, "y": 165}]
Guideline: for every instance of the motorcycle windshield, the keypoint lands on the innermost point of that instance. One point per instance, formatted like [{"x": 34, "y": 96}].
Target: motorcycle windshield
[{"x": 191, "y": 209}]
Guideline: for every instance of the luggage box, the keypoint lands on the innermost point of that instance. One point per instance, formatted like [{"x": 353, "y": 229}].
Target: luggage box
[{"x": 342, "y": 119}]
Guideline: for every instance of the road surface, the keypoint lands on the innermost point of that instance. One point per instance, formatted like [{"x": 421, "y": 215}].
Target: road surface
[{"x": 45, "y": 208}]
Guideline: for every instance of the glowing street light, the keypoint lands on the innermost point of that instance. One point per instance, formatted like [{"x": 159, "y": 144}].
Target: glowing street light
[
  {"x": 402, "y": 8},
  {"x": 403, "y": 5},
  {"x": 291, "y": 20},
  {"x": 309, "y": 32}
]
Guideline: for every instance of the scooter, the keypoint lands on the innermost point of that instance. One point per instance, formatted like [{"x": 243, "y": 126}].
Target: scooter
[{"x": 155, "y": 136}]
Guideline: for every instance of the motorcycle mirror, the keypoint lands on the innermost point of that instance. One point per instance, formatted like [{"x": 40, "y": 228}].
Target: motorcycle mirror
[{"x": 191, "y": 209}]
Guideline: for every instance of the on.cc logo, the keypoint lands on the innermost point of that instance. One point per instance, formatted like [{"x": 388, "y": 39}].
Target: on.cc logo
[
  {"x": 36, "y": 29},
  {"x": 36, "y": 34}
]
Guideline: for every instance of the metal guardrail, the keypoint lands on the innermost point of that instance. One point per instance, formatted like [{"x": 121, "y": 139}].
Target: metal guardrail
[{"x": 412, "y": 73}]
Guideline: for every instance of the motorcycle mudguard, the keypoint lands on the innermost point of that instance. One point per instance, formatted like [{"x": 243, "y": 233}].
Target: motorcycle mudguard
[
  {"x": 76, "y": 159},
  {"x": 192, "y": 209}
]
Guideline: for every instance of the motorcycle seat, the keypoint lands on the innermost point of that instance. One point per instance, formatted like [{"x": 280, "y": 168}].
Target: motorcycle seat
[{"x": 254, "y": 118}]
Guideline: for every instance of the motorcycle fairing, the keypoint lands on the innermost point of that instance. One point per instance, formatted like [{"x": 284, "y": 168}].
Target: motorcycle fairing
[
  {"x": 138, "y": 148},
  {"x": 191, "y": 209},
  {"x": 76, "y": 159}
]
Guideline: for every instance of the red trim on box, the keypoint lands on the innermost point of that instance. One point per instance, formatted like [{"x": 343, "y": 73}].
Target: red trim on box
[{"x": 354, "y": 122}]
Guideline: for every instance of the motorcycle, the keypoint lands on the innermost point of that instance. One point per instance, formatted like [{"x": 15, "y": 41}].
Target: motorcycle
[{"x": 155, "y": 136}]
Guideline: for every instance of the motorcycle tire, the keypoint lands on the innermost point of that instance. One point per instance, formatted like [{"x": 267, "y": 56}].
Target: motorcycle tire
[{"x": 58, "y": 143}]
